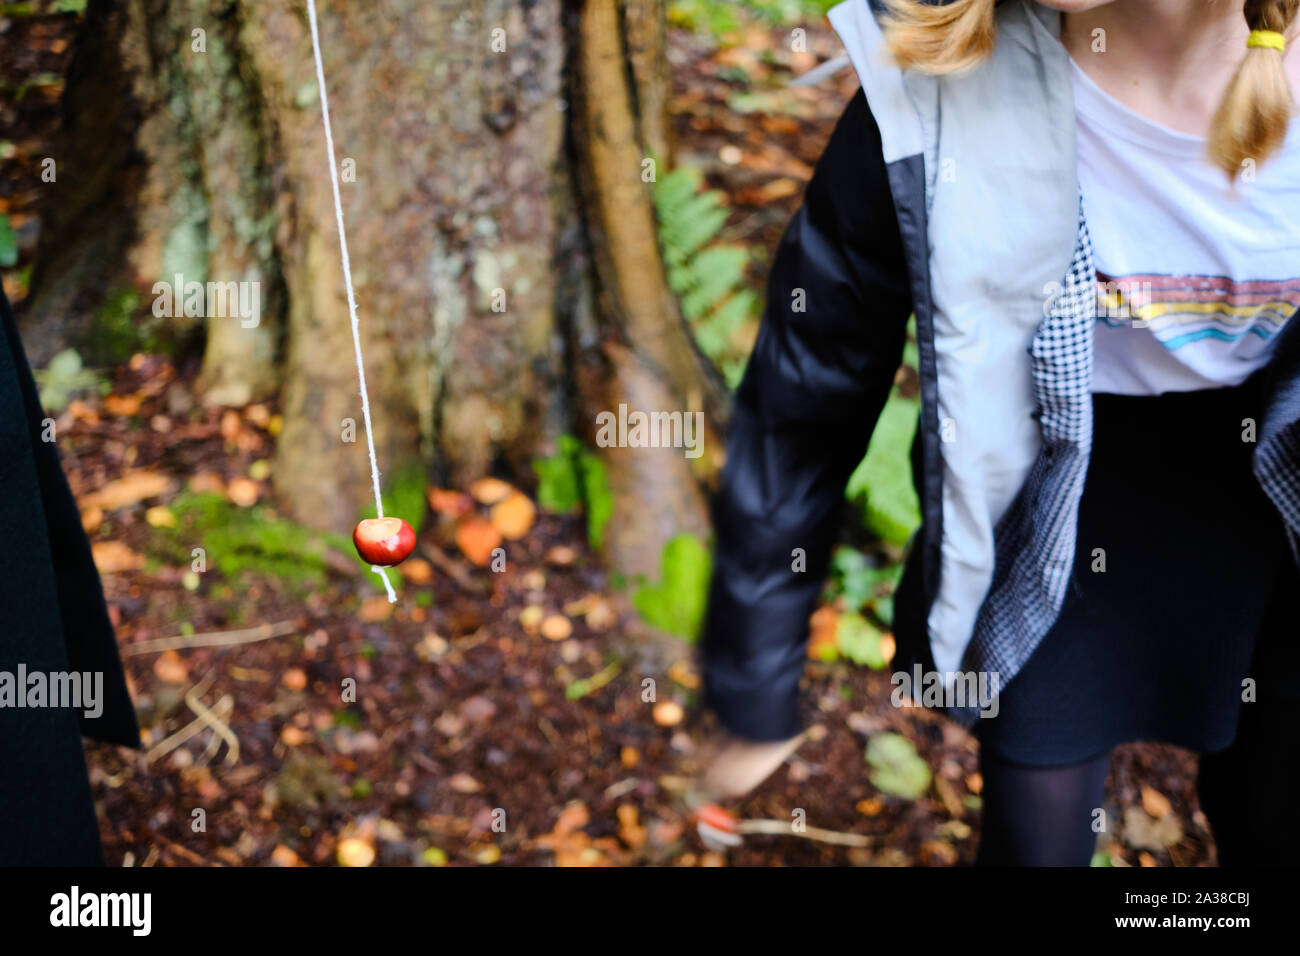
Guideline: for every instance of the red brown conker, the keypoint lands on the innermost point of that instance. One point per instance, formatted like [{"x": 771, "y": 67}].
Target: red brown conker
[{"x": 384, "y": 541}]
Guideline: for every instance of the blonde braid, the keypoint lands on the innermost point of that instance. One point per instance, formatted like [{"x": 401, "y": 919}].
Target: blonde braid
[
  {"x": 939, "y": 39},
  {"x": 1255, "y": 112}
]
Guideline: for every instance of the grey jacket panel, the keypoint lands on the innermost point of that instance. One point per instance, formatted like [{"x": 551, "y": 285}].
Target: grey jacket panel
[{"x": 1000, "y": 208}]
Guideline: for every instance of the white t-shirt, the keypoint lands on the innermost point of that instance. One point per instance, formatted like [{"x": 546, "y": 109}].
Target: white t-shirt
[{"x": 1195, "y": 277}]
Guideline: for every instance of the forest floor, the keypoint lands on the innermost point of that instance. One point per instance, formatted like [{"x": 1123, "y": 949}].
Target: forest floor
[{"x": 496, "y": 717}]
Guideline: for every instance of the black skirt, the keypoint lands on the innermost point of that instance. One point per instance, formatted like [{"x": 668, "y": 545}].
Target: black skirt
[{"x": 1181, "y": 567}]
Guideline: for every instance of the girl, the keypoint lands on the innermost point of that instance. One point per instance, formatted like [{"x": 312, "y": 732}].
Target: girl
[
  {"x": 54, "y": 630},
  {"x": 1093, "y": 211}
]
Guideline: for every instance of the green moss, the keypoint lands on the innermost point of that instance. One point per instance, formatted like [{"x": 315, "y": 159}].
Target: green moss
[
  {"x": 116, "y": 329},
  {"x": 721, "y": 17},
  {"x": 125, "y": 324},
  {"x": 245, "y": 541},
  {"x": 347, "y": 719}
]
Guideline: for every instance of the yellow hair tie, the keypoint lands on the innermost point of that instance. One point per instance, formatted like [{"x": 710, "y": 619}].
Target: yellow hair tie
[{"x": 1268, "y": 38}]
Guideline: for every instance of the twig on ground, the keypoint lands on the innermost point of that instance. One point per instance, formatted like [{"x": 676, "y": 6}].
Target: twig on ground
[
  {"x": 171, "y": 742},
  {"x": 219, "y": 727},
  {"x": 785, "y": 828},
  {"x": 251, "y": 635},
  {"x": 167, "y": 745},
  {"x": 182, "y": 851},
  {"x": 551, "y": 733}
]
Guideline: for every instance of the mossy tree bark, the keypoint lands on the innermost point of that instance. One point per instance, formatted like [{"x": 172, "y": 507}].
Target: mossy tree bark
[{"x": 502, "y": 239}]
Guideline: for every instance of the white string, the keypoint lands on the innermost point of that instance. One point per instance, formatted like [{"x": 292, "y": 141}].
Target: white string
[
  {"x": 347, "y": 277},
  {"x": 393, "y": 596}
]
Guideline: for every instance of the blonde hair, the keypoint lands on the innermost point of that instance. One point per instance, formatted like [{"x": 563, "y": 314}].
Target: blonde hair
[
  {"x": 1253, "y": 116},
  {"x": 1250, "y": 123},
  {"x": 939, "y": 39}
]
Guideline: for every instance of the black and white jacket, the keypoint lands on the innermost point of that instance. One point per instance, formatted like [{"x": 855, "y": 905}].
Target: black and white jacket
[{"x": 955, "y": 198}]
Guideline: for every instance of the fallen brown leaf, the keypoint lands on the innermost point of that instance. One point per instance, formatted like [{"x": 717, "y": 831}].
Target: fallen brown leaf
[
  {"x": 417, "y": 570},
  {"x": 294, "y": 736},
  {"x": 477, "y": 539},
  {"x": 453, "y": 504},
  {"x": 630, "y": 830},
  {"x": 354, "y": 851},
  {"x": 230, "y": 425},
  {"x": 374, "y": 609},
  {"x": 81, "y": 412},
  {"x": 1155, "y": 803},
  {"x": 486, "y": 854},
  {"x": 888, "y": 647},
  {"x": 123, "y": 406},
  {"x": 132, "y": 487},
  {"x": 112, "y": 557},
  {"x": 556, "y": 627},
  {"x": 561, "y": 556},
  {"x": 207, "y": 481},
  {"x": 530, "y": 618},
  {"x": 91, "y": 519},
  {"x": 160, "y": 516},
  {"x": 601, "y": 615},
  {"x": 170, "y": 669},
  {"x": 464, "y": 783},
  {"x": 822, "y": 628},
  {"x": 243, "y": 492},
  {"x": 284, "y": 856},
  {"x": 488, "y": 491},
  {"x": 668, "y": 713},
  {"x": 513, "y": 516}
]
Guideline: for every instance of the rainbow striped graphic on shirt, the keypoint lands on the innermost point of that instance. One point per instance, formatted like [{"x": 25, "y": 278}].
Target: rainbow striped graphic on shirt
[{"x": 1180, "y": 310}]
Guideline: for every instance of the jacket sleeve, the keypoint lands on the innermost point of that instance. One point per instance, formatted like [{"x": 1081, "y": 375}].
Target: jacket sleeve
[{"x": 830, "y": 344}]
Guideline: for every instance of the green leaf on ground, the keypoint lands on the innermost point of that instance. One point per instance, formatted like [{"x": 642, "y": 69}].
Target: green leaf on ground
[
  {"x": 574, "y": 476},
  {"x": 62, "y": 379},
  {"x": 677, "y": 603},
  {"x": 881, "y": 486},
  {"x": 896, "y": 768},
  {"x": 860, "y": 641}
]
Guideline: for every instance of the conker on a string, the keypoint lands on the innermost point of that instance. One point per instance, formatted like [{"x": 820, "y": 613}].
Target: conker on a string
[{"x": 384, "y": 541}]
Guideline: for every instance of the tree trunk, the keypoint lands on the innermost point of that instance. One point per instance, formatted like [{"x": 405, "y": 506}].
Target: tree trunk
[
  {"x": 651, "y": 363},
  {"x": 500, "y": 303}
]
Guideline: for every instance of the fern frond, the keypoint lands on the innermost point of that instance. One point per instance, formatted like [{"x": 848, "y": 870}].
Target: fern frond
[{"x": 708, "y": 279}]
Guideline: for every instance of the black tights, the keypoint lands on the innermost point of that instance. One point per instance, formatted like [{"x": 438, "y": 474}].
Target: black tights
[
  {"x": 1043, "y": 816},
  {"x": 1040, "y": 816}
]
